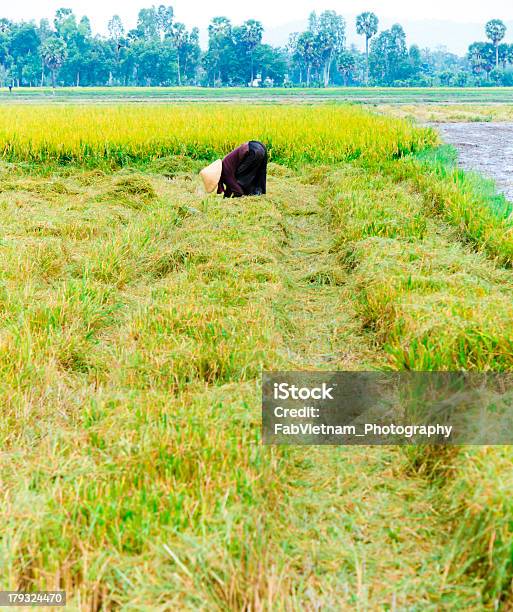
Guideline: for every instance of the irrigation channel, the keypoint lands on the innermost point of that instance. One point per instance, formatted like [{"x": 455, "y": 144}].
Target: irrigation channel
[{"x": 486, "y": 148}]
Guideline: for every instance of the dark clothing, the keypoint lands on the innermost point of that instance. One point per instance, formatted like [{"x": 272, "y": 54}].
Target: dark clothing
[
  {"x": 244, "y": 171},
  {"x": 228, "y": 183},
  {"x": 252, "y": 172}
]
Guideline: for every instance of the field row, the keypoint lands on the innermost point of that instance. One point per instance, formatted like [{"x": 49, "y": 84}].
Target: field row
[
  {"x": 434, "y": 304},
  {"x": 136, "y": 319},
  {"x": 450, "y": 112},
  {"x": 375, "y": 95},
  {"x": 125, "y": 134}
]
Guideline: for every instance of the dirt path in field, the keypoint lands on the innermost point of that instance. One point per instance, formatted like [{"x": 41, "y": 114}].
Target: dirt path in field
[
  {"x": 484, "y": 147},
  {"x": 326, "y": 333},
  {"x": 374, "y": 537}
]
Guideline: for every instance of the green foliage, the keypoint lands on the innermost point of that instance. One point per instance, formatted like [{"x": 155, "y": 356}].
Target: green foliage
[
  {"x": 346, "y": 64},
  {"x": 389, "y": 56},
  {"x": 161, "y": 51}
]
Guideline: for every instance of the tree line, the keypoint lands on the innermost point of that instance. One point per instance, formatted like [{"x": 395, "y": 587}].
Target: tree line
[{"x": 161, "y": 51}]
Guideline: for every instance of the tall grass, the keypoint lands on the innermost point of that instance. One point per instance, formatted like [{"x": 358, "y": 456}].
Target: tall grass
[
  {"x": 465, "y": 201},
  {"x": 434, "y": 304},
  {"x": 121, "y": 134},
  {"x": 137, "y": 316}
]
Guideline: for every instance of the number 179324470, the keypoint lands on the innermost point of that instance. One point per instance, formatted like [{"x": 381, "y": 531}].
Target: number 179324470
[{"x": 35, "y": 598}]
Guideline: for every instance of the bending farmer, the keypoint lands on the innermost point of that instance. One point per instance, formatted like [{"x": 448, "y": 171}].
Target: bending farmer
[{"x": 242, "y": 172}]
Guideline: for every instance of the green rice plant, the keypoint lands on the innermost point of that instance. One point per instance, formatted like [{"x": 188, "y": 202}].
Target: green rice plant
[
  {"x": 477, "y": 502},
  {"x": 434, "y": 304},
  {"x": 465, "y": 201}
]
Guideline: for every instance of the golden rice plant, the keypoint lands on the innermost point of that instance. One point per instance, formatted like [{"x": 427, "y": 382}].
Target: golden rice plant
[{"x": 125, "y": 133}]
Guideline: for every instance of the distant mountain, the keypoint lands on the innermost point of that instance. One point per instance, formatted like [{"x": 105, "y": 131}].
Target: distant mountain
[
  {"x": 279, "y": 35},
  {"x": 429, "y": 33}
]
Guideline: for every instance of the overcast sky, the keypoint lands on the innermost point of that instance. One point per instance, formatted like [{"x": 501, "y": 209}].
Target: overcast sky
[{"x": 280, "y": 16}]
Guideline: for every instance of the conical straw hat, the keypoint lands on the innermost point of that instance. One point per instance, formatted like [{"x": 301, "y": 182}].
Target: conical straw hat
[{"x": 211, "y": 175}]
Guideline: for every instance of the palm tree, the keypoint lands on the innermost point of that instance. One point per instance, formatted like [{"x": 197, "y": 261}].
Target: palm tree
[
  {"x": 252, "y": 32},
  {"x": 307, "y": 52},
  {"x": 367, "y": 24},
  {"x": 495, "y": 31},
  {"x": 54, "y": 53},
  {"x": 180, "y": 38}
]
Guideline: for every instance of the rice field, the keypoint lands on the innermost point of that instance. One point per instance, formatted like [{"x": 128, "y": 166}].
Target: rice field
[
  {"x": 122, "y": 134},
  {"x": 136, "y": 317},
  {"x": 450, "y": 113},
  {"x": 276, "y": 95}
]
